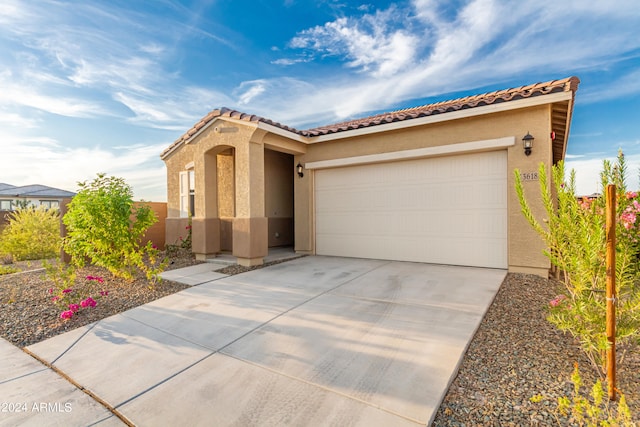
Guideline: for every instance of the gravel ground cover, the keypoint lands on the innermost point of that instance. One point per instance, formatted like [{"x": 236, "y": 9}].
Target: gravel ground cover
[
  {"x": 28, "y": 316},
  {"x": 515, "y": 355}
]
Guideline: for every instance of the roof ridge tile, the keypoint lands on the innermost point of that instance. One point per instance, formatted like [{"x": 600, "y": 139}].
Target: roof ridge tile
[{"x": 569, "y": 84}]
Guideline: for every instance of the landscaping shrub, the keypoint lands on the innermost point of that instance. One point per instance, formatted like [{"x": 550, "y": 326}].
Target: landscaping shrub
[
  {"x": 590, "y": 409},
  {"x": 31, "y": 234},
  {"x": 574, "y": 231},
  {"x": 105, "y": 227}
]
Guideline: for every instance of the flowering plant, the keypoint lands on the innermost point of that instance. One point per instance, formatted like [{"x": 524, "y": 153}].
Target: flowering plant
[
  {"x": 77, "y": 298},
  {"x": 574, "y": 231}
]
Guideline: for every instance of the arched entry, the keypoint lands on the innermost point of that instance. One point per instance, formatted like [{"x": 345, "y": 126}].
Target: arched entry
[{"x": 214, "y": 200}]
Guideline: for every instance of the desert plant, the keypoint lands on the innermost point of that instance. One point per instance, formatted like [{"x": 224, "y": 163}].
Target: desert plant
[
  {"x": 7, "y": 269},
  {"x": 73, "y": 299},
  {"x": 31, "y": 234},
  {"x": 574, "y": 231},
  {"x": 589, "y": 409},
  {"x": 105, "y": 226},
  {"x": 21, "y": 204}
]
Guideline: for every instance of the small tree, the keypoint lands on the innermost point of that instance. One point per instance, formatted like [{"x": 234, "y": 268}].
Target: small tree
[
  {"x": 105, "y": 227},
  {"x": 21, "y": 204},
  {"x": 575, "y": 235},
  {"x": 31, "y": 234}
]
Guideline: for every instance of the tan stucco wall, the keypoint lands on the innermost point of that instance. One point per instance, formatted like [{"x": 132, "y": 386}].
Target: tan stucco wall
[
  {"x": 279, "y": 172},
  {"x": 226, "y": 184},
  {"x": 524, "y": 246},
  {"x": 243, "y": 191},
  {"x": 258, "y": 209},
  {"x": 216, "y": 174}
]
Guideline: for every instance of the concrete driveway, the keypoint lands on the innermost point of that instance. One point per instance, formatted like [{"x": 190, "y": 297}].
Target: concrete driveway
[{"x": 313, "y": 341}]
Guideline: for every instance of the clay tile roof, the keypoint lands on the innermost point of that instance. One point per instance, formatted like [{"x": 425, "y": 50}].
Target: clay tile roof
[
  {"x": 224, "y": 112},
  {"x": 569, "y": 84}
]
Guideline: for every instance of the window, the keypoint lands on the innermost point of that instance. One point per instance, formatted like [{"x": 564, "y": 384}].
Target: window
[
  {"x": 192, "y": 193},
  {"x": 184, "y": 194},
  {"x": 49, "y": 204},
  {"x": 5, "y": 205},
  {"x": 187, "y": 193}
]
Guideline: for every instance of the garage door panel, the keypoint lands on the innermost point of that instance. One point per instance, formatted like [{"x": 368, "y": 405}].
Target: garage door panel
[{"x": 449, "y": 210}]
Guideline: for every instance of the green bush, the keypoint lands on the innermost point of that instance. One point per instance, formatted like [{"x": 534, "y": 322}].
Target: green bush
[
  {"x": 574, "y": 231},
  {"x": 105, "y": 227},
  {"x": 31, "y": 234},
  {"x": 589, "y": 409},
  {"x": 7, "y": 269}
]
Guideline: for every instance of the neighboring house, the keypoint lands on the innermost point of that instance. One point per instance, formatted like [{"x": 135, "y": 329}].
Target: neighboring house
[
  {"x": 428, "y": 184},
  {"x": 12, "y": 197}
]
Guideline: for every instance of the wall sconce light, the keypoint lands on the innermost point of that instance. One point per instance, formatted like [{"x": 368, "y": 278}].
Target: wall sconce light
[
  {"x": 527, "y": 143},
  {"x": 299, "y": 169}
]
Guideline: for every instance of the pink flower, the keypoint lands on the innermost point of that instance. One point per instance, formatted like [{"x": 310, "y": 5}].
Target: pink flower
[
  {"x": 628, "y": 219},
  {"x": 188, "y": 227},
  {"x": 154, "y": 246},
  {"x": 104, "y": 293},
  {"x": 74, "y": 307},
  {"x": 89, "y": 302},
  {"x": 585, "y": 203},
  {"x": 55, "y": 299},
  {"x": 631, "y": 195},
  {"x": 96, "y": 278},
  {"x": 50, "y": 290},
  {"x": 66, "y": 314},
  {"x": 66, "y": 291},
  {"x": 557, "y": 300}
]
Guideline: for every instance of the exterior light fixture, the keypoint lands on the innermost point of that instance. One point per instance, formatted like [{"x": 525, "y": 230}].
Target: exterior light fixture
[
  {"x": 299, "y": 169},
  {"x": 527, "y": 143}
]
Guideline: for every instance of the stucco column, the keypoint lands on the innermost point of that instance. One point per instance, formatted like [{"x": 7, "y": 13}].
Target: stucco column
[
  {"x": 250, "y": 226},
  {"x": 205, "y": 231}
]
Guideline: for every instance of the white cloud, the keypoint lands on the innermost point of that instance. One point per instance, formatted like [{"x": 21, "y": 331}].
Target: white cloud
[
  {"x": 290, "y": 61},
  {"x": 373, "y": 43},
  {"x": 153, "y": 48},
  {"x": 437, "y": 48},
  {"x": 19, "y": 94},
  {"x": 15, "y": 120},
  {"x": 249, "y": 90},
  {"x": 87, "y": 60},
  {"x": 625, "y": 85},
  {"x": 139, "y": 165},
  {"x": 169, "y": 110},
  {"x": 11, "y": 12}
]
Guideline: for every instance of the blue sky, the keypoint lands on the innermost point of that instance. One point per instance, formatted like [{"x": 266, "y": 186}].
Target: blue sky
[{"x": 104, "y": 86}]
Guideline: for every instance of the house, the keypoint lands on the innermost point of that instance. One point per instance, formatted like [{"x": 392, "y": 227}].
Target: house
[
  {"x": 35, "y": 195},
  {"x": 431, "y": 184}
]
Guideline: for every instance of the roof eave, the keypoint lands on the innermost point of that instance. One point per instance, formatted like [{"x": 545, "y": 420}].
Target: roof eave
[{"x": 453, "y": 115}]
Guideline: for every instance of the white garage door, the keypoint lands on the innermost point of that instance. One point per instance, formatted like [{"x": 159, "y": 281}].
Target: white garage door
[{"x": 445, "y": 210}]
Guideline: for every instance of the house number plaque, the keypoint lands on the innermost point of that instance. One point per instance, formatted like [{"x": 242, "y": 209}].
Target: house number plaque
[{"x": 529, "y": 176}]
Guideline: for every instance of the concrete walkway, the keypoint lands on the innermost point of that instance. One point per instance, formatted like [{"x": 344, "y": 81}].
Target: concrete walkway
[{"x": 313, "y": 341}]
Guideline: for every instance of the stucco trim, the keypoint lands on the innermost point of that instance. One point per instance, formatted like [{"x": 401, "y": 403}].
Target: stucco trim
[
  {"x": 445, "y": 117},
  {"x": 418, "y": 153},
  {"x": 282, "y": 132}
]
